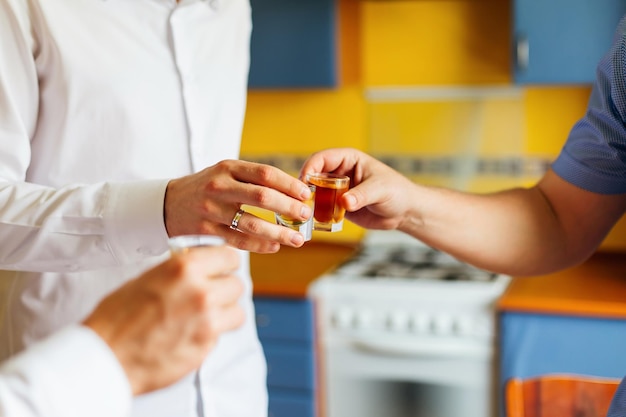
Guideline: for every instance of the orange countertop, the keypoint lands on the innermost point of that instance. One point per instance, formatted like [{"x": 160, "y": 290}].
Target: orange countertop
[
  {"x": 596, "y": 287},
  {"x": 289, "y": 272}
]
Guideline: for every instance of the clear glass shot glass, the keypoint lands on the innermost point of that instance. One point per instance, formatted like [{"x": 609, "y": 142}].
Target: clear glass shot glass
[
  {"x": 304, "y": 227},
  {"x": 184, "y": 243},
  {"x": 328, "y": 213}
]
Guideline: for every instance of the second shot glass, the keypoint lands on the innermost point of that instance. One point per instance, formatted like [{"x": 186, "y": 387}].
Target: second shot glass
[
  {"x": 304, "y": 227},
  {"x": 328, "y": 213},
  {"x": 184, "y": 243}
]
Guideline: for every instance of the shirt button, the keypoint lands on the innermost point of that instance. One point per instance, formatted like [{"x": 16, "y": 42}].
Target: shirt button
[{"x": 144, "y": 251}]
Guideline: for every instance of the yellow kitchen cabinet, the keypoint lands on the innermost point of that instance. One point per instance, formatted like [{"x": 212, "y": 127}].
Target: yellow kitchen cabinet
[{"x": 435, "y": 42}]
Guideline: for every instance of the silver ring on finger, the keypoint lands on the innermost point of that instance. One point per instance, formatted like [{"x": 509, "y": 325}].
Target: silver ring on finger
[{"x": 234, "y": 224}]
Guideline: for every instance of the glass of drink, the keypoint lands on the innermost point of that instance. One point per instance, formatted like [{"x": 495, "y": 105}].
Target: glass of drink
[
  {"x": 184, "y": 243},
  {"x": 304, "y": 227},
  {"x": 328, "y": 212}
]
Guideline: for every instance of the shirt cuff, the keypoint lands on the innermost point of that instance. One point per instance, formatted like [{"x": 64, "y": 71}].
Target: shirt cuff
[
  {"x": 137, "y": 228},
  {"x": 73, "y": 373}
]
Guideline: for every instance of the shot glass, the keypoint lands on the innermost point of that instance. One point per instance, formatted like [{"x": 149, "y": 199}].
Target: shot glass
[
  {"x": 184, "y": 243},
  {"x": 328, "y": 213},
  {"x": 304, "y": 227}
]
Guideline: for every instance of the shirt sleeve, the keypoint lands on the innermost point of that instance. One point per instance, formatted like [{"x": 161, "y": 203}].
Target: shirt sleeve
[
  {"x": 44, "y": 228},
  {"x": 594, "y": 156},
  {"x": 71, "y": 374}
]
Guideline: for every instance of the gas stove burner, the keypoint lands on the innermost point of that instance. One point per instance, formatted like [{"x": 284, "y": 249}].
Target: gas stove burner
[
  {"x": 416, "y": 262},
  {"x": 429, "y": 272}
]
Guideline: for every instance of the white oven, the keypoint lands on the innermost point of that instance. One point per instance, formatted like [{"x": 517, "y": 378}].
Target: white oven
[{"x": 404, "y": 331}]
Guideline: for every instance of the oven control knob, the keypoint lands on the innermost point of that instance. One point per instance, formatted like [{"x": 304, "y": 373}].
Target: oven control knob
[
  {"x": 343, "y": 318},
  {"x": 398, "y": 321},
  {"x": 463, "y": 326},
  {"x": 442, "y": 324},
  {"x": 420, "y": 323},
  {"x": 363, "y": 319}
]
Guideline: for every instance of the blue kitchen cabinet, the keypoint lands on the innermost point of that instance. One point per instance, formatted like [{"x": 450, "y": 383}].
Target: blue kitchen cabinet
[
  {"x": 285, "y": 328},
  {"x": 536, "y": 344},
  {"x": 293, "y": 44},
  {"x": 562, "y": 41}
]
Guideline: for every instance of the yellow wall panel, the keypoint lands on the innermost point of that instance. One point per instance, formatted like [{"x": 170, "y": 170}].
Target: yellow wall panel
[
  {"x": 487, "y": 127},
  {"x": 551, "y": 112},
  {"x": 301, "y": 122},
  {"x": 435, "y": 42}
]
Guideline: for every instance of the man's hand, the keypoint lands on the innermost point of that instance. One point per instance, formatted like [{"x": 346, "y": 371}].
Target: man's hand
[{"x": 162, "y": 325}]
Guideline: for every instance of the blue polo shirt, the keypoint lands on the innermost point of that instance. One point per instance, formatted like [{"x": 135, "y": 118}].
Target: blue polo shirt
[{"x": 594, "y": 156}]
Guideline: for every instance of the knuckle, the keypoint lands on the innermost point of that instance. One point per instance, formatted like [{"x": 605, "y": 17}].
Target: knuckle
[
  {"x": 261, "y": 196},
  {"x": 255, "y": 227},
  {"x": 265, "y": 173},
  {"x": 225, "y": 165},
  {"x": 206, "y": 228},
  {"x": 215, "y": 184},
  {"x": 179, "y": 267},
  {"x": 199, "y": 301}
]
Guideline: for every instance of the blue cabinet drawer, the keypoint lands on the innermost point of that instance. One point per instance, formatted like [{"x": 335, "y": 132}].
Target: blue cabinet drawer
[
  {"x": 290, "y": 366},
  {"x": 290, "y": 405},
  {"x": 280, "y": 319}
]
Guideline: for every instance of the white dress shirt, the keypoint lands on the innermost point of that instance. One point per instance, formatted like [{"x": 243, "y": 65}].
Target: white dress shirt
[
  {"x": 101, "y": 102},
  {"x": 70, "y": 374}
]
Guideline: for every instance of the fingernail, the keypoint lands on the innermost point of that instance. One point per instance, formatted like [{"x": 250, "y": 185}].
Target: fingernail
[
  {"x": 350, "y": 200},
  {"x": 297, "y": 239},
  {"x": 305, "y": 193},
  {"x": 305, "y": 212}
]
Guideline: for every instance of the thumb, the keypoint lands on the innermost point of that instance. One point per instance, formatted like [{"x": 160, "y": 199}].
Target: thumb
[{"x": 356, "y": 198}]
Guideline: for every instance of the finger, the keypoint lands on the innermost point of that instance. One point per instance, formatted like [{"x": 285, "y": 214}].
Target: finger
[
  {"x": 223, "y": 291},
  {"x": 357, "y": 198},
  {"x": 252, "y": 244},
  {"x": 340, "y": 161},
  {"x": 273, "y": 178},
  {"x": 224, "y": 319},
  {"x": 255, "y": 234},
  {"x": 211, "y": 261},
  {"x": 266, "y": 198}
]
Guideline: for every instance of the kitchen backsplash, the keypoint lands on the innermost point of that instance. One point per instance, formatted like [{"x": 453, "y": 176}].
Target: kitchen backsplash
[{"x": 445, "y": 171}]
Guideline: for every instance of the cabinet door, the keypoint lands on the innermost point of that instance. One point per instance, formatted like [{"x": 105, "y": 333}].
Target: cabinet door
[
  {"x": 290, "y": 366},
  {"x": 284, "y": 320},
  {"x": 562, "y": 41},
  {"x": 293, "y": 44},
  {"x": 290, "y": 405},
  {"x": 285, "y": 328},
  {"x": 537, "y": 344}
]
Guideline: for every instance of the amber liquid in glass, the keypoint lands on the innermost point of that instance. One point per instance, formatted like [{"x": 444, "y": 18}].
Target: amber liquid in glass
[{"x": 327, "y": 208}]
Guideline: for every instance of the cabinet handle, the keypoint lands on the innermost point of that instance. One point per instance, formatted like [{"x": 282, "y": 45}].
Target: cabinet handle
[
  {"x": 262, "y": 320},
  {"x": 522, "y": 52}
]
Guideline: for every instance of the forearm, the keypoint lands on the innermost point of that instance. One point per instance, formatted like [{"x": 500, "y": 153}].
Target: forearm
[
  {"x": 98, "y": 225},
  {"x": 514, "y": 231}
]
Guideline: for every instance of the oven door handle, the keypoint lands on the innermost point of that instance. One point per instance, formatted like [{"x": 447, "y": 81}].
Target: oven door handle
[{"x": 426, "y": 346}]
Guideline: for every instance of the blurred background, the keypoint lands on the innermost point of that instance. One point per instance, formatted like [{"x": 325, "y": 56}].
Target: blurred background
[{"x": 473, "y": 94}]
